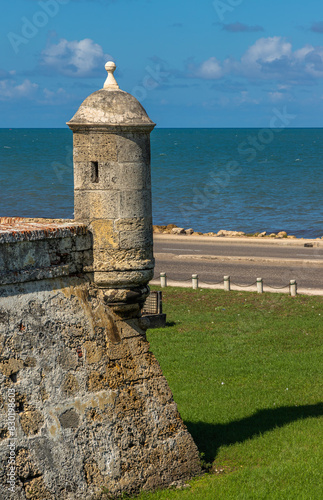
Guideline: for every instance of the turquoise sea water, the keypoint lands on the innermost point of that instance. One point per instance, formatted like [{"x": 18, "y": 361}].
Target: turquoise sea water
[{"x": 209, "y": 179}]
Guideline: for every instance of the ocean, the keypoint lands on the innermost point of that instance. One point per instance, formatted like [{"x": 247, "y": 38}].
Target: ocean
[{"x": 208, "y": 179}]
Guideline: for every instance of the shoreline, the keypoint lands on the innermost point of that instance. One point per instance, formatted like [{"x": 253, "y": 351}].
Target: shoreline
[{"x": 173, "y": 229}]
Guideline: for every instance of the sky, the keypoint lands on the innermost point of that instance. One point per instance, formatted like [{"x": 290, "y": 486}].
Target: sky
[{"x": 207, "y": 63}]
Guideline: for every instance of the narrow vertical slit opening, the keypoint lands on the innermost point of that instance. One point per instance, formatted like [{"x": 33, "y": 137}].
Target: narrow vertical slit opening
[{"x": 94, "y": 171}]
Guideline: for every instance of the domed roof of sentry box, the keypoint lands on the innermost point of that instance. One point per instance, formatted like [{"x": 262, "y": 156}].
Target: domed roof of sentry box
[{"x": 111, "y": 106}]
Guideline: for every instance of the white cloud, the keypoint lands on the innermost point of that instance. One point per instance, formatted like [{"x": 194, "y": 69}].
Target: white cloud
[
  {"x": 301, "y": 53},
  {"x": 266, "y": 50},
  {"x": 209, "y": 70},
  {"x": 267, "y": 59},
  {"x": 9, "y": 89},
  {"x": 314, "y": 62},
  {"x": 74, "y": 58}
]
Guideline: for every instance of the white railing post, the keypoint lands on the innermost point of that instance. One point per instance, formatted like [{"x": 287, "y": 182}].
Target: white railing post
[
  {"x": 163, "y": 280},
  {"x": 195, "y": 281},
  {"x": 293, "y": 288},
  {"x": 226, "y": 282},
  {"x": 260, "y": 285}
]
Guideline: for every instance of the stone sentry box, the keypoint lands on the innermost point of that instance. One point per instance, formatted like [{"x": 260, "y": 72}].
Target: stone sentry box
[
  {"x": 93, "y": 414},
  {"x": 112, "y": 183}
]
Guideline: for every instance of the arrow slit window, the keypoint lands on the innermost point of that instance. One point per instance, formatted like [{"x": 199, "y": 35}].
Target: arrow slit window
[{"x": 94, "y": 171}]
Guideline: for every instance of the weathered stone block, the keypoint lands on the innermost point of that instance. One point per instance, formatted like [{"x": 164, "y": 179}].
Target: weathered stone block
[
  {"x": 104, "y": 236},
  {"x": 136, "y": 239},
  {"x": 69, "y": 419},
  {"x": 31, "y": 420},
  {"x": 11, "y": 366},
  {"x": 133, "y": 175},
  {"x": 93, "y": 352},
  {"x": 91, "y": 138},
  {"x": 66, "y": 244},
  {"x": 24, "y": 255},
  {"x": 119, "y": 260},
  {"x": 70, "y": 385},
  {"x": 135, "y": 203},
  {"x": 81, "y": 139},
  {"x": 133, "y": 224},
  {"x": 133, "y": 147},
  {"x": 83, "y": 242},
  {"x": 85, "y": 154},
  {"x": 91, "y": 205}
]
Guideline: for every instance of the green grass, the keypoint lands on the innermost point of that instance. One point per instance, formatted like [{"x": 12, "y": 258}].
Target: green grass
[{"x": 246, "y": 373}]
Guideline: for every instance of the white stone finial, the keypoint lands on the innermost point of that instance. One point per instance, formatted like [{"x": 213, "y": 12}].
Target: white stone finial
[{"x": 110, "y": 82}]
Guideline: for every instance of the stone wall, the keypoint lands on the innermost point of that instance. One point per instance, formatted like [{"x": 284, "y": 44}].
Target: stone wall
[
  {"x": 94, "y": 415},
  {"x": 34, "y": 249}
]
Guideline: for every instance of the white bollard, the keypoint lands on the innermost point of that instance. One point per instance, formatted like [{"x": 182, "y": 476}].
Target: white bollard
[
  {"x": 293, "y": 288},
  {"x": 226, "y": 280},
  {"x": 163, "y": 280},
  {"x": 260, "y": 285},
  {"x": 195, "y": 281}
]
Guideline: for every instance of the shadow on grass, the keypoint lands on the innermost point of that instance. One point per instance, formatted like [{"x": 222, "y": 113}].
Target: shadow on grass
[{"x": 209, "y": 437}]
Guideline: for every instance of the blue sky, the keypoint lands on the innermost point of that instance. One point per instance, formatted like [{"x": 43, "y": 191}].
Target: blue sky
[{"x": 210, "y": 63}]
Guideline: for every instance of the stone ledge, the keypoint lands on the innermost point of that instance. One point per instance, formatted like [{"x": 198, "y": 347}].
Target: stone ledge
[
  {"x": 38, "y": 249},
  {"x": 14, "y": 229}
]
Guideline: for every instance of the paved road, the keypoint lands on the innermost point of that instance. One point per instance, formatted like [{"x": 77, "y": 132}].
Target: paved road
[
  {"x": 180, "y": 259},
  {"x": 213, "y": 246}
]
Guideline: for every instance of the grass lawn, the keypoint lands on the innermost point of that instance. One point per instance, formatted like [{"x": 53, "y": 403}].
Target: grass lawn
[{"x": 246, "y": 373}]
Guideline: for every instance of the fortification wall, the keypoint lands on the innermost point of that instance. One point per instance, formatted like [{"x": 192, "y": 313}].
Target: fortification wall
[
  {"x": 93, "y": 413},
  {"x": 35, "y": 249}
]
